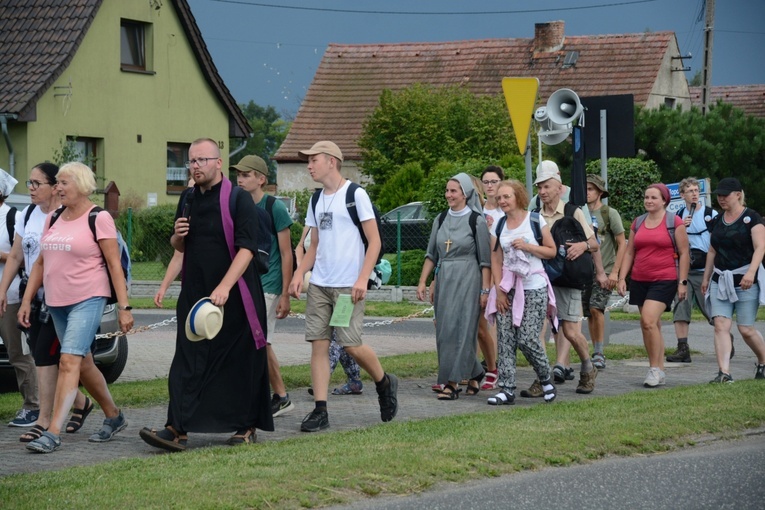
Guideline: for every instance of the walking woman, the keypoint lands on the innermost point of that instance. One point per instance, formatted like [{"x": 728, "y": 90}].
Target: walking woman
[
  {"x": 72, "y": 267},
  {"x": 652, "y": 254},
  {"x": 521, "y": 291},
  {"x": 732, "y": 279},
  {"x": 459, "y": 249},
  {"x": 487, "y": 340}
]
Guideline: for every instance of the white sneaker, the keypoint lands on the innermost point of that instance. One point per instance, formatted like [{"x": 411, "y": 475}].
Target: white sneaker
[{"x": 654, "y": 378}]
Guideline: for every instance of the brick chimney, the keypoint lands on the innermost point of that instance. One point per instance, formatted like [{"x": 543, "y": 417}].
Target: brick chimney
[{"x": 548, "y": 36}]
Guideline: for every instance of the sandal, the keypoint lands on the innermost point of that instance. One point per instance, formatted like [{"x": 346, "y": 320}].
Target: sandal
[
  {"x": 490, "y": 381},
  {"x": 46, "y": 443},
  {"x": 449, "y": 393},
  {"x": 349, "y": 388},
  {"x": 110, "y": 427},
  {"x": 167, "y": 439},
  {"x": 78, "y": 417},
  {"x": 503, "y": 398},
  {"x": 474, "y": 385},
  {"x": 32, "y": 434},
  {"x": 246, "y": 436},
  {"x": 438, "y": 388}
]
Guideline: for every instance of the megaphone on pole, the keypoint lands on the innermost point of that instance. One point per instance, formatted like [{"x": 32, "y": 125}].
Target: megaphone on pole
[
  {"x": 564, "y": 107},
  {"x": 550, "y": 133}
]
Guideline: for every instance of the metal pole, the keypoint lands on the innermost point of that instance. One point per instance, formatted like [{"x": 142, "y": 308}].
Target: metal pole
[
  {"x": 529, "y": 178},
  {"x": 604, "y": 148},
  {"x": 398, "y": 249}
]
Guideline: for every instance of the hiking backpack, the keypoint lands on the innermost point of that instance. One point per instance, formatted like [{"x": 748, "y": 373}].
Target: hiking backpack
[
  {"x": 270, "y": 200},
  {"x": 375, "y": 279},
  {"x": 699, "y": 257},
  {"x": 10, "y": 223},
  {"x": 670, "y": 221},
  {"x": 123, "y": 248},
  {"x": 577, "y": 273}
]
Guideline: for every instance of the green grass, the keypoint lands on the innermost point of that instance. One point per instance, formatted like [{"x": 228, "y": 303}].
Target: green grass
[
  {"x": 400, "y": 458},
  {"x": 148, "y": 271}
]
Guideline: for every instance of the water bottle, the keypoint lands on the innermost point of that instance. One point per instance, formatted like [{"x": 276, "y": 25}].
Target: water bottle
[
  {"x": 595, "y": 227},
  {"x": 562, "y": 251},
  {"x": 44, "y": 314}
]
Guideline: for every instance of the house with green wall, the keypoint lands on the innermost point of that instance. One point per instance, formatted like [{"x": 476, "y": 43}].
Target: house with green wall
[{"x": 123, "y": 85}]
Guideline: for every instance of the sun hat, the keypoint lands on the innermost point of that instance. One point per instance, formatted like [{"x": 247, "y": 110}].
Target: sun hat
[
  {"x": 251, "y": 163},
  {"x": 204, "y": 321},
  {"x": 547, "y": 170},
  {"x": 599, "y": 183},
  {"x": 324, "y": 147},
  {"x": 727, "y": 186}
]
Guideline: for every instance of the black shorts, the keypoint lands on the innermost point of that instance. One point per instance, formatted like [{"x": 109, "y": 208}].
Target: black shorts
[
  {"x": 44, "y": 343},
  {"x": 663, "y": 291}
]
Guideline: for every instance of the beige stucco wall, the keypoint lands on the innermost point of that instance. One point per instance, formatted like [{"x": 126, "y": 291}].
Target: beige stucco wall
[
  {"x": 669, "y": 83},
  {"x": 295, "y": 176},
  {"x": 94, "y": 98}
]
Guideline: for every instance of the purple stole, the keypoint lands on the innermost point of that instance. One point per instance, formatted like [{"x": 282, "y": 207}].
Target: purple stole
[{"x": 228, "y": 231}]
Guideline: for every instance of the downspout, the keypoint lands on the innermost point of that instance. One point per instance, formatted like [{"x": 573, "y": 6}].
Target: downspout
[
  {"x": 239, "y": 149},
  {"x": 7, "y": 136}
]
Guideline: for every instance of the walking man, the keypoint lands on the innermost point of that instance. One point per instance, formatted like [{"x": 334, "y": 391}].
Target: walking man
[
  {"x": 252, "y": 176},
  {"x": 610, "y": 234},
  {"x": 697, "y": 220},
  {"x": 341, "y": 268}
]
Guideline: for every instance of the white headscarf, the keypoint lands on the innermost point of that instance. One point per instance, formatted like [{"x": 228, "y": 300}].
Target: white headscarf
[{"x": 7, "y": 183}]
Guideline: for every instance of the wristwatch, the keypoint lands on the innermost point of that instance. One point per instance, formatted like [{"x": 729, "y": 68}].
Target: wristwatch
[
  {"x": 485, "y": 292},
  {"x": 683, "y": 282},
  {"x": 128, "y": 307}
]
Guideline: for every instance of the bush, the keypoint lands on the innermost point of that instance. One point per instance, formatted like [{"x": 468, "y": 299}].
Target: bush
[
  {"x": 152, "y": 228},
  {"x": 630, "y": 177},
  {"x": 404, "y": 186},
  {"x": 411, "y": 267}
]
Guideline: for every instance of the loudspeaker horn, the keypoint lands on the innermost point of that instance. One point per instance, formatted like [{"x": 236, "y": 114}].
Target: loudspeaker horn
[
  {"x": 564, "y": 107},
  {"x": 550, "y": 133}
]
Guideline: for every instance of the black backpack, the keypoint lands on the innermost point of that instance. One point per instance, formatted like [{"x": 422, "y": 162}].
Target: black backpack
[
  {"x": 350, "y": 204},
  {"x": 10, "y": 223},
  {"x": 270, "y": 200},
  {"x": 578, "y": 273}
]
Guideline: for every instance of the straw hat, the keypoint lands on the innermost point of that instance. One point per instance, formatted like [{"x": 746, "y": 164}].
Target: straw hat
[{"x": 204, "y": 321}]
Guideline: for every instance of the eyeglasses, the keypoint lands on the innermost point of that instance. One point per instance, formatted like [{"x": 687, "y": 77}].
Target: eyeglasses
[
  {"x": 33, "y": 185},
  {"x": 493, "y": 181},
  {"x": 199, "y": 161}
]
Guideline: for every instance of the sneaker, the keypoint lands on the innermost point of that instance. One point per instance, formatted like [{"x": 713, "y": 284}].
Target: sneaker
[
  {"x": 350, "y": 388},
  {"x": 722, "y": 377},
  {"x": 759, "y": 373},
  {"x": 655, "y": 377},
  {"x": 681, "y": 355},
  {"x": 534, "y": 391},
  {"x": 599, "y": 360},
  {"x": 388, "y": 399},
  {"x": 280, "y": 405},
  {"x": 316, "y": 420},
  {"x": 587, "y": 381},
  {"x": 25, "y": 418}
]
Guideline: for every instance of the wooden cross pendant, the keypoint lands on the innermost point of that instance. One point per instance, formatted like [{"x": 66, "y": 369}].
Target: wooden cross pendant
[{"x": 448, "y": 244}]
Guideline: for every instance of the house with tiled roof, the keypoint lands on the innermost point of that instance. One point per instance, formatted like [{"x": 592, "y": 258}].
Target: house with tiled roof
[
  {"x": 749, "y": 98},
  {"x": 128, "y": 84},
  {"x": 350, "y": 78}
]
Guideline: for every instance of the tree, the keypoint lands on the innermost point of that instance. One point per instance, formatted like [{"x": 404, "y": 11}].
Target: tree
[
  {"x": 696, "y": 80},
  {"x": 627, "y": 180},
  {"x": 425, "y": 125},
  {"x": 722, "y": 143},
  {"x": 269, "y": 131}
]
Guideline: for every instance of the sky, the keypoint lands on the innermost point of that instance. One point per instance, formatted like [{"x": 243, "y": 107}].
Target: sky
[{"x": 267, "y": 51}]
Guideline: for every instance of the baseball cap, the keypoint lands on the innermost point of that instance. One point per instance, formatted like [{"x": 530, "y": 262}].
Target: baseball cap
[
  {"x": 547, "y": 170},
  {"x": 251, "y": 164},
  {"x": 727, "y": 186},
  {"x": 324, "y": 147}
]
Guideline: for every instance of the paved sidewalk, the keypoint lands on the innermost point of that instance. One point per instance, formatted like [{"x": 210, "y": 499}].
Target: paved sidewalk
[{"x": 150, "y": 355}]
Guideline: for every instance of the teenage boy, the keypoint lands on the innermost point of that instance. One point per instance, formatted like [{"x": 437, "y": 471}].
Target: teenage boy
[
  {"x": 612, "y": 243},
  {"x": 252, "y": 176},
  {"x": 340, "y": 268}
]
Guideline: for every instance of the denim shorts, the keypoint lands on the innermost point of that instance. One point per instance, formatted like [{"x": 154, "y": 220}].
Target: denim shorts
[
  {"x": 745, "y": 307},
  {"x": 77, "y": 324}
]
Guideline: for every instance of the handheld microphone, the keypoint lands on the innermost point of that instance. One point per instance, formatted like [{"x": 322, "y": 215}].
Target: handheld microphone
[
  {"x": 693, "y": 208},
  {"x": 187, "y": 204}
]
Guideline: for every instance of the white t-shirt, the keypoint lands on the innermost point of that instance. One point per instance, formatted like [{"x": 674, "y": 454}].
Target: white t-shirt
[
  {"x": 340, "y": 253},
  {"x": 507, "y": 236},
  {"x": 30, "y": 235},
  {"x": 5, "y": 247},
  {"x": 494, "y": 213}
]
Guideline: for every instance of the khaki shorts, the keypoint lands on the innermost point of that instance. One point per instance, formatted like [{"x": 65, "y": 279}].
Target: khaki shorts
[
  {"x": 271, "y": 301},
  {"x": 318, "y": 311},
  {"x": 569, "y": 303}
]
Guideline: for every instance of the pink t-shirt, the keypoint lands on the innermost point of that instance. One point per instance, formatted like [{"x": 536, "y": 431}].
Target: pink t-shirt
[
  {"x": 654, "y": 252},
  {"x": 75, "y": 270}
]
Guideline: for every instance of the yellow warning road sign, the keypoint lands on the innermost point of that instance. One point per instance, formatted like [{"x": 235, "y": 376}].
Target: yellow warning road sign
[{"x": 521, "y": 99}]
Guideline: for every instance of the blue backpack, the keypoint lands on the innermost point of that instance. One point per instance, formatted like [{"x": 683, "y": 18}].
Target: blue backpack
[{"x": 123, "y": 247}]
